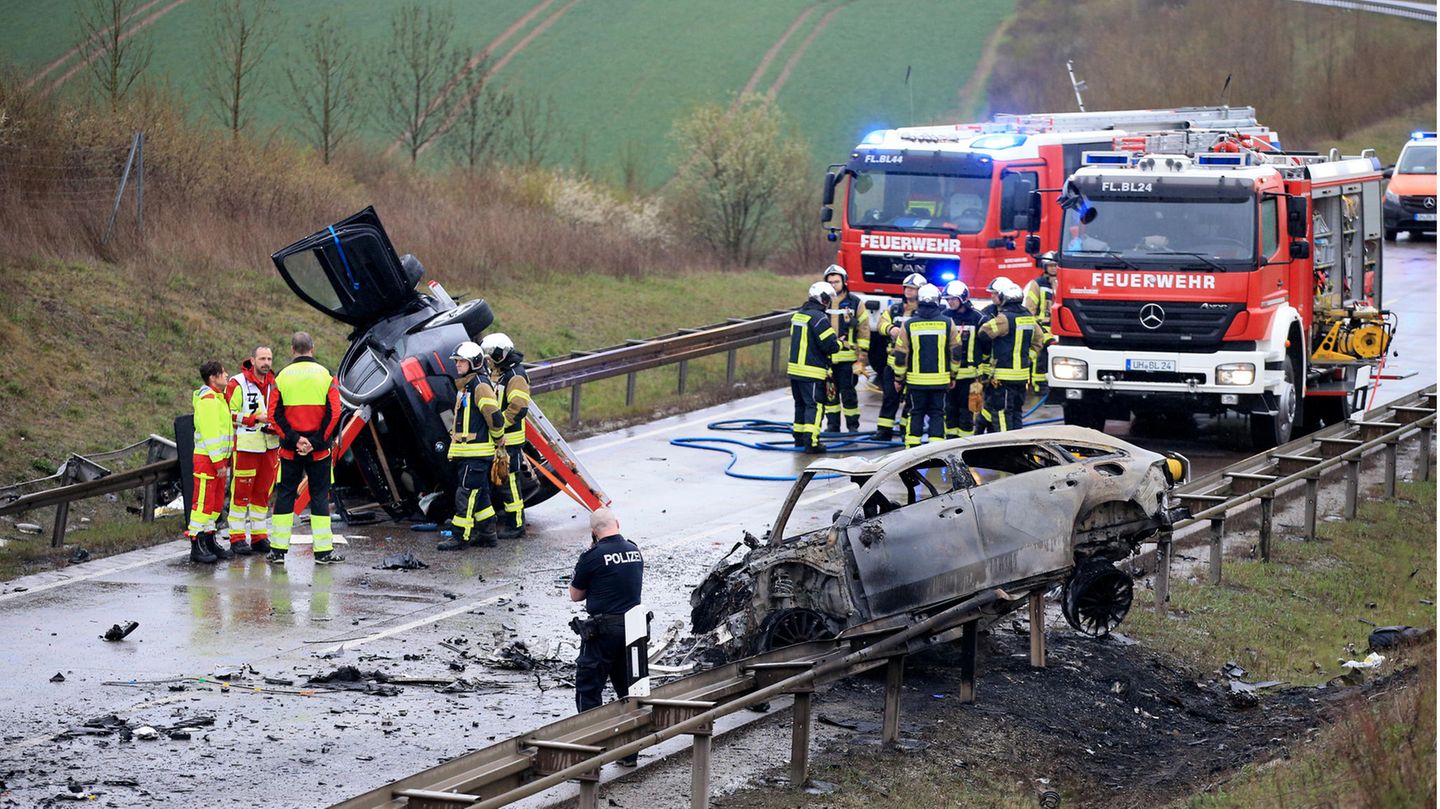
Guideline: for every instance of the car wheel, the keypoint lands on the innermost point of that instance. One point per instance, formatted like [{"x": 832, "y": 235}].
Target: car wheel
[
  {"x": 475, "y": 315},
  {"x": 1390, "y": 234},
  {"x": 791, "y": 626},
  {"x": 1267, "y": 432},
  {"x": 1096, "y": 598}
]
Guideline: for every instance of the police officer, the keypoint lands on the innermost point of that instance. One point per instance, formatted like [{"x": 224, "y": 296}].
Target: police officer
[
  {"x": 812, "y": 344},
  {"x": 893, "y": 315},
  {"x": 1040, "y": 299},
  {"x": 1010, "y": 335},
  {"x": 476, "y": 431},
  {"x": 924, "y": 349},
  {"x": 852, "y": 327},
  {"x": 959, "y": 420},
  {"x": 608, "y": 578},
  {"x": 512, "y": 387}
]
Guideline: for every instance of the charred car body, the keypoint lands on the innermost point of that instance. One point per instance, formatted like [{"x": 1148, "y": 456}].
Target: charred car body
[
  {"x": 923, "y": 529},
  {"x": 396, "y": 374}
]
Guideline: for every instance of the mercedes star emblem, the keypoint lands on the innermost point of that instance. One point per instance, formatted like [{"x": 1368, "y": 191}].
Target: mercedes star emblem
[
  {"x": 1152, "y": 316},
  {"x": 1430, "y": 202}
]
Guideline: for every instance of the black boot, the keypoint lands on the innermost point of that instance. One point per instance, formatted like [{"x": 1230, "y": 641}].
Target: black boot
[
  {"x": 199, "y": 554},
  {"x": 832, "y": 425},
  {"x": 884, "y": 433},
  {"x": 241, "y": 548},
  {"x": 513, "y": 532},
  {"x": 485, "y": 534},
  {"x": 328, "y": 557},
  {"x": 455, "y": 543},
  {"x": 208, "y": 538},
  {"x": 260, "y": 546},
  {"x": 853, "y": 425},
  {"x": 816, "y": 449}
]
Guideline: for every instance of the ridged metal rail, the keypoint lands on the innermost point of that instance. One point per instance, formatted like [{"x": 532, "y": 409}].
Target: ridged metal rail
[{"x": 577, "y": 747}]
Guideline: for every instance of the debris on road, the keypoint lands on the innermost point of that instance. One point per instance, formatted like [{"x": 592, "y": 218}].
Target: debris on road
[
  {"x": 1389, "y": 637},
  {"x": 80, "y": 556},
  {"x": 401, "y": 561},
  {"x": 1371, "y": 661},
  {"x": 119, "y": 632},
  {"x": 58, "y": 678},
  {"x": 349, "y": 678},
  {"x": 146, "y": 733}
]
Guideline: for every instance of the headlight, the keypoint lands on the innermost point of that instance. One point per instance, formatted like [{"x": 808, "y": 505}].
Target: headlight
[
  {"x": 1235, "y": 373},
  {"x": 1391, "y": 196},
  {"x": 1069, "y": 369}
]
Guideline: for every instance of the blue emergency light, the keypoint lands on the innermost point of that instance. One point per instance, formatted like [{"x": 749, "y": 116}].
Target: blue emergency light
[
  {"x": 1222, "y": 159},
  {"x": 875, "y": 137},
  {"x": 1421, "y": 134},
  {"x": 947, "y": 276},
  {"x": 997, "y": 142},
  {"x": 1106, "y": 158}
]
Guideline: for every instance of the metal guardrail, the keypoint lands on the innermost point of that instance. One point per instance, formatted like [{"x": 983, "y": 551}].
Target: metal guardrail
[
  {"x": 1391, "y": 8},
  {"x": 680, "y": 347}
]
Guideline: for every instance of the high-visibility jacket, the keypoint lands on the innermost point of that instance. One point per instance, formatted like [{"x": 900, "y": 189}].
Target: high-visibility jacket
[
  {"x": 925, "y": 347},
  {"x": 852, "y": 327},
  {"x": 967, "y": 322},
  {"x": 812, "y": 343},
  {"x": 478, "y": 424},
  {"x": 214, "y": 432},
  {"x": 514, "y": 399},
  {"x": 307, "y": 405},
  {"x": 1040, "y": 298},
  {"x": 1010, "y": 335},
  {"x": 894, "y": 315},
  {"x": 251, "y": 396}
]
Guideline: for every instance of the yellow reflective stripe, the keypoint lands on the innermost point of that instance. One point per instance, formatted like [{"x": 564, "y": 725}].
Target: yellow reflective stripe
[{"x": 798, "y": 366}]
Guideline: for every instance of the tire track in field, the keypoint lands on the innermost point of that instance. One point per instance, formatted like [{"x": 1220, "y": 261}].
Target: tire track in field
[
  {"x": 800, "y": 51},
  {"x": 67, "y": 55},
  {"x": 774, "y": 51},
  {"x": 970, "y": 92},
  {"x": 130, "y": 32}
]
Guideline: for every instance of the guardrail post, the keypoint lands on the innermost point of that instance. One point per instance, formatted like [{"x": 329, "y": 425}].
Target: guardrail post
[
  {"x": 700, "y": 769},
  {"x": 1217, "y": 547},
  {"x": 630, "y": 389},
  {"x": 1312, "y": 505},
  {"x": 1392, "y": 455},
  {"x": 1352, "y": 487},
  {"x": 969, "y": 634},
  {"x": 151, "y": 492},
  {"x": 894, "y": 679},
  {"x": 62, "y": 511},
  {"x": 1267, "y": 522},
  {"x": 589, "y": 792},
  {"x": 730, "y": 367},
  {"x": 684, "y": 376},
  {"x": 1422, "y": 459},
  {"x": 775, "y": 356},
  {"x": 574, "y": 405},
  {"x": 1037, "y": 630},
  {"x": 800, "y": 740},
  {"x": 1162, "y": 572}
]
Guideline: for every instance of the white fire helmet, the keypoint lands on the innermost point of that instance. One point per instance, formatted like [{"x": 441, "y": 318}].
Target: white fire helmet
[
  {"x": 836, "y": 269},
  {"x": 928, "y": 294},
  {"x": 497, "y": 346},
  {"x": 1012, "y": 292},
  {"x": 468, "y": 351},
  {"x": 821, "y": 291},
  {"x": 915, "y": 280},
  {"x": 998, "y": 285},
  {"x": 957, "y": 290}
]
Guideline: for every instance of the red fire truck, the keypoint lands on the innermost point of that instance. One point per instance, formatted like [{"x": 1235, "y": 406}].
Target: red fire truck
[
  {"x": 1210, "y": 272},
  {"x": 952, "y": 201}
]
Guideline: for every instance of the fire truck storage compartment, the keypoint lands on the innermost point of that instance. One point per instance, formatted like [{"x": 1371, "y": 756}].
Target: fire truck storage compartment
[{"x": 1347, "y": 227}]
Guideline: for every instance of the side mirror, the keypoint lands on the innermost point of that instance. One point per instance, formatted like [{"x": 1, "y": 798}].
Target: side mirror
[
  {"x": 1299, "y": 249},
  {"x": 1032, "y": 245},
  {"x": 1022, "y": 221},
  {"x": 1388, "y": 172},
  {"x": 827, "y": 196},
  {"x": 1297, "y": 217},
  {"x": 1034, "y": 218},
  {"x": 826, "y": 214}
]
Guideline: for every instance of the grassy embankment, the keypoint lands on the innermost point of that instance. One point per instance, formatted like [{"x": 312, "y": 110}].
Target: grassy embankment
[{"x": 1275, "y": 619}]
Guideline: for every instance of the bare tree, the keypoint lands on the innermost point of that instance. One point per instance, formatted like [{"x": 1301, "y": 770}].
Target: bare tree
[
  {"x": 477, "y": 136},
  {"x": 239, "y": 38},
  {"x": 418, "y": 72},
  {"x": 116, "y": 57},
  {"x": 738, "y": 168},
  {"x": 535, "y": 130},
  {"x": 324, "y": 89}
]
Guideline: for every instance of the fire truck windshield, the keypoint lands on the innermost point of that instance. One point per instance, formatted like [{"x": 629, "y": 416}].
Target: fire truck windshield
[
  {"x": 901, "y": 201},
  {"x": 1143, "y": 231}
]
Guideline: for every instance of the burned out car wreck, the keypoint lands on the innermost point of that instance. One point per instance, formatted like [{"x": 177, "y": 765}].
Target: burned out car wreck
[{"x": 871, "y": 545}]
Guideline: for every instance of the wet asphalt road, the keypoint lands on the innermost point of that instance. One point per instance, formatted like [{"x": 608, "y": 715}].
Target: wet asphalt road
[{"x": 271, "y": 748}]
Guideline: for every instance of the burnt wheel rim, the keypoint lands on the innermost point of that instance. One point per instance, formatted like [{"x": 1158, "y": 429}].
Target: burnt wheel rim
[
  {"x": 797, "y": 626},
  {"x": 1097, "y": 600}
]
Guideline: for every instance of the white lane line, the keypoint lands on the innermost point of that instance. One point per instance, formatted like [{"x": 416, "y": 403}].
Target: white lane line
[
  {"x": 688, "y": 539},
  {"x": 684, "y": 425},
  {"x": 405, "y": 627}
]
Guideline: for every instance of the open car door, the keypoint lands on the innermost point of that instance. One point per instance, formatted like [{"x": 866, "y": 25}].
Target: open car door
[{"x": 349, "y": 271}]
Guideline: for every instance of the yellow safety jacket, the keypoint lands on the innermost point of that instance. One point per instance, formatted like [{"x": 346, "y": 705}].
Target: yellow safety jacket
[
  {"x": 852, "y": 327},
  {"x": 1011, "y": 333},
  {"x": 515, "y": 403},
  {"x": 926, "y": 348},
  {"x": 214, "y": 430},
  {"x": 967, "y": 352},
  {"x": 812, "y": 343},
  {"x": 478, "y": 424},
  {"x": 891, "y": 317},
  {"x": 1039, "y": 298}
]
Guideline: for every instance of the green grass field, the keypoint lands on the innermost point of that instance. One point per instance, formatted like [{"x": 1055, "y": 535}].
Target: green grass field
[{"x": 619, "y": 74}]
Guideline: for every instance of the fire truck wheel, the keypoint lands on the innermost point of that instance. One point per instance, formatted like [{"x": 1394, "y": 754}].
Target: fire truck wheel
[
  {"x": 1079, "y": 414},
  {"x": 1271, "y": 431}
]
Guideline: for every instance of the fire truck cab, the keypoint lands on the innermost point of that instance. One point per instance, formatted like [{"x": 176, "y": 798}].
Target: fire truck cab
[{"x": 1215, "y": 273}]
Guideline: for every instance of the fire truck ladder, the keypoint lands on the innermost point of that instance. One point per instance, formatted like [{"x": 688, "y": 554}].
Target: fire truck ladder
[{"x": 1172, "y": 118}]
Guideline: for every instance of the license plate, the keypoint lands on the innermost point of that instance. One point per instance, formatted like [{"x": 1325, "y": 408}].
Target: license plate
[
  {"x": 1150, "y": 365},
  {"x": 1424, "y": 217}
]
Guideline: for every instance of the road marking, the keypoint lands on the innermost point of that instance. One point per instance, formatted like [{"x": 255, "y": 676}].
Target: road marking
[
  {"x": 681, "y": 426},
  {"x": 685, "y": 540},
  {"x": 418, "y": 622}
]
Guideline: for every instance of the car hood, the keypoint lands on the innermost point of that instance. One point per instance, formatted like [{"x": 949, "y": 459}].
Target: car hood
[{"x": 1414, "y": 185}]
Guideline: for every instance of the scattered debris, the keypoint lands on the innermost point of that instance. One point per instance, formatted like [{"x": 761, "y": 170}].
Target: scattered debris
[
  {"x": 1371, "y": 661},
  {"x": 79, "y": 556},
  {"x": 401, "y": 561},
  {"x": 1389, "y": 637},
  {"x": 146, "y": 733},
  {"x": 27, "y": 527},
  {"x": 180, "y": 735},
  {"x": 119, "y": 632},
  {"x": 278, "y": 681},
  {"x": 514, "y": 656},
  {"x": 349, "y": 678},
  {"x": 58, "y": 678}
]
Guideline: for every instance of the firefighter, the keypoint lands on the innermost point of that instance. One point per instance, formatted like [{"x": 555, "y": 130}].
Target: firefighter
[
  {"x": 1009, "y": 336},
  {"x": 478, "y": 428},
  {"x": 512, "y": 389},
  {"x": 250, "y": 395},
  {"x": 306, "y": 418},
  {"x": 1040, "y": 299},
  {"x": 959, "y": 420},
  {"x": 852, "y": 328},
  {"x": 924, "y": 350},
  {"x": 214, "y": 442},
  {"x": 608, "y": 577},
  {"x": 889, "y": 319},
  {"x": 812, "y": 344}
]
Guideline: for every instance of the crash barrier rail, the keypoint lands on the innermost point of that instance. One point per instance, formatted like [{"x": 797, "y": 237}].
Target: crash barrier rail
[
  {"x": 680, "y": 347},
  {"x": 84, "y": 476},
  {"x": 1305, "y": 460},
  {"x": 1405, "y": 9},
  {"x": 575, "y": 748}
]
